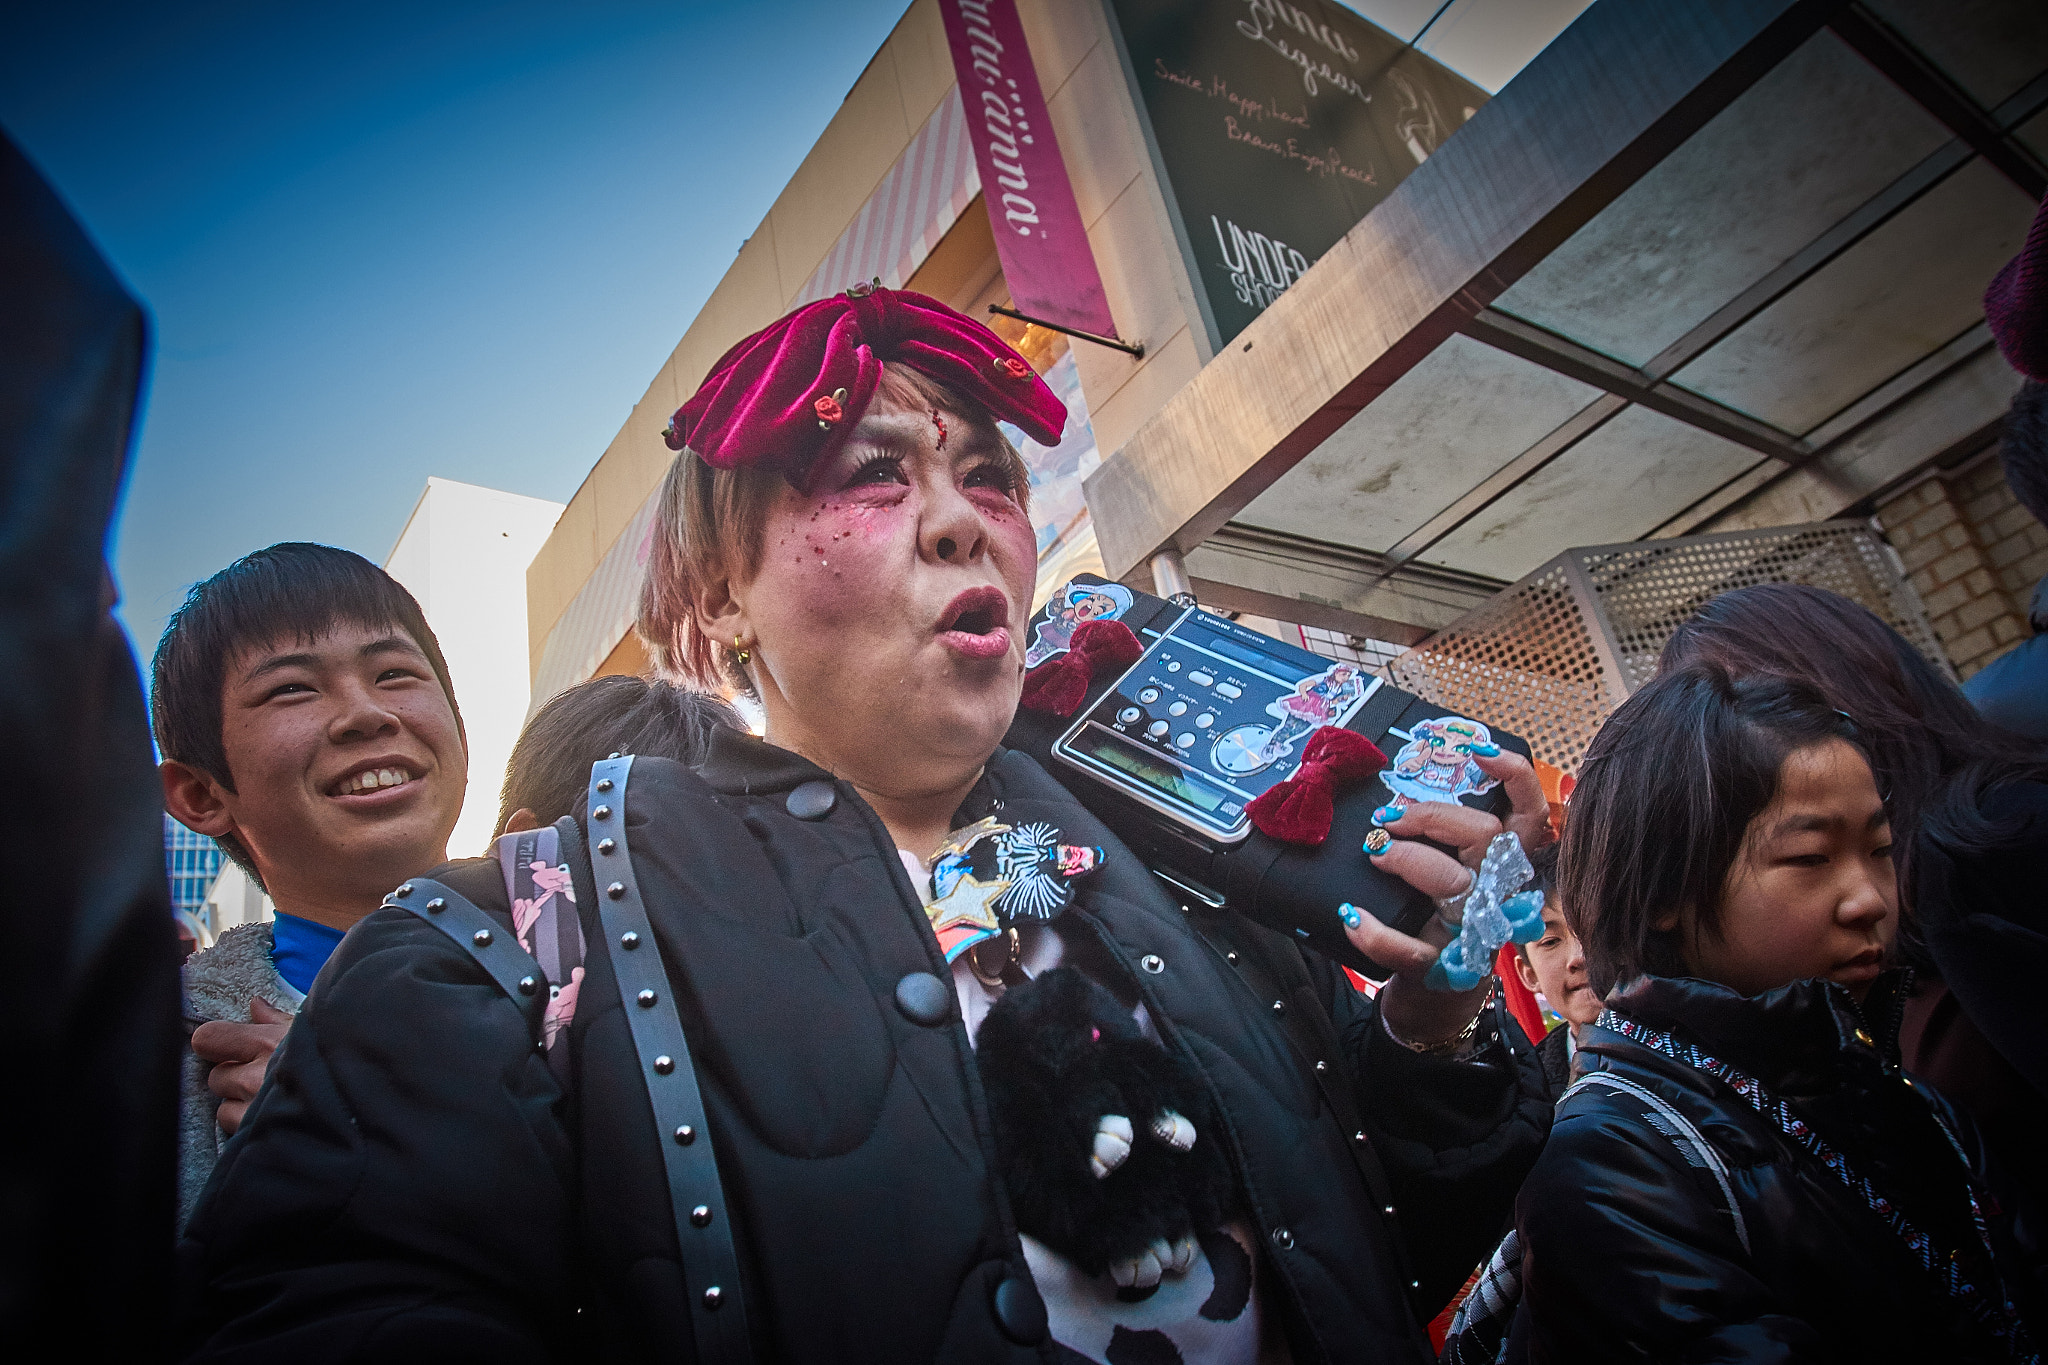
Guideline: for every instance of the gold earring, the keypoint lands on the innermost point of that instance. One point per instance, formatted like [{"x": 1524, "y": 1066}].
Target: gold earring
[{"x": 741, "y": 652}]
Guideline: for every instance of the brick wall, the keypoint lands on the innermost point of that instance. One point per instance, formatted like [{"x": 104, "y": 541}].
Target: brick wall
[{"x": 1974, "y": 554}]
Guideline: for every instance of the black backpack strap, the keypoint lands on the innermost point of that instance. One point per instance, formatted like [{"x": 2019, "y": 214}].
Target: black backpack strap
[
  {"x": 711, "y": 1267},
  {"x": 488, "y": 942}
]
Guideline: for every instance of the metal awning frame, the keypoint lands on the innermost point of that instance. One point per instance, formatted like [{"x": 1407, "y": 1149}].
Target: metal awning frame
[{"x": 1456, "y": 247}]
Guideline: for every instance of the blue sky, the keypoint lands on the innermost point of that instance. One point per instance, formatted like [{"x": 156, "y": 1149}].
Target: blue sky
[{"x": 383, "y": 241}]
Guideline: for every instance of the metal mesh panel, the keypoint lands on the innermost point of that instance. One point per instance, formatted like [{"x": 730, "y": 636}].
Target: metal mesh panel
[{"x": 1548, "y": 657}]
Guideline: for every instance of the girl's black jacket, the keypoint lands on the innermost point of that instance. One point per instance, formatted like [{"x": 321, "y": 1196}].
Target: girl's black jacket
[
  {"x": 413, "y": 1183},
  {"x": 1630, "y": 1253}
]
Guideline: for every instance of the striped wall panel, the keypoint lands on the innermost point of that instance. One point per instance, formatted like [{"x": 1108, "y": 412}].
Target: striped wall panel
[{"x": 921, "y": 197}]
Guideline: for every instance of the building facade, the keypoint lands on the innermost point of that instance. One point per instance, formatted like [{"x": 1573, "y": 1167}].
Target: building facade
[
  {"x": 192, "y": 861},
  {"x": 1673, "y": 269},
  {"x": 463, "y": 555}
]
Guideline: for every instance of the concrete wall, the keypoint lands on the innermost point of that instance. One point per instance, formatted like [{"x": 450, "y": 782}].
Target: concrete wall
[
  {"x": 1974, "y": 555},
  {"x": 1115, "y": 187},
  {"x": 464, "y": 554}
]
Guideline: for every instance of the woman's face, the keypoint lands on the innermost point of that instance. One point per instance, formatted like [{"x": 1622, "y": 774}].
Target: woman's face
[
  {"x": 886, "y": 611},
  {"x": 1813, "y": 893}
]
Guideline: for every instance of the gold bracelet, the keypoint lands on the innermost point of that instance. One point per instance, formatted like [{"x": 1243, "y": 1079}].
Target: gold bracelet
[{"x": 1456, "y": 1040}]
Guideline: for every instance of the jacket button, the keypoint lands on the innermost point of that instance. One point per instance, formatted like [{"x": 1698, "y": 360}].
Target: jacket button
[
  {"x": 812, "y": 800},
  {"x": 1019, "y": 1311},
  {"x": 924, "y": 999}
]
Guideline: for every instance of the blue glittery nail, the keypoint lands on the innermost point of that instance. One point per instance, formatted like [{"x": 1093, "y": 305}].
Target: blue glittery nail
[
  {"x": 1349, "y": 914},
  {"x": 1486, "y": 750},
  {"x": 1386, "y": 815}
]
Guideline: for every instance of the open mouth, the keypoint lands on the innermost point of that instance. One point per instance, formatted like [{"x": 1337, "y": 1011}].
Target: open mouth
[
  {"x": 977, "y": 623},
  {"x": 366, "y": 780}
]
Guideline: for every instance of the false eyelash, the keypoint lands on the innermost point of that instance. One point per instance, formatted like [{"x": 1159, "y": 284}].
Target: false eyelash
[{"x": 876, "y": 462}]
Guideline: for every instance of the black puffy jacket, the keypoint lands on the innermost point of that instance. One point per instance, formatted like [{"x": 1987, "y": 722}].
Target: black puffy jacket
[
  {"x": 413, "y": 1181},
  {"x": 1630, "y": 1251}
]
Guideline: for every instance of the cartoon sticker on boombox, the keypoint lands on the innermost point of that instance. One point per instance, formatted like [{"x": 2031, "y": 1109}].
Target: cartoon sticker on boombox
[
  {"x": 1076, "y": 605},
  {"x": 1321, "y": 699},
  {"x": 1314, "y": 703},
  {"x": 1436, "y": 762}
]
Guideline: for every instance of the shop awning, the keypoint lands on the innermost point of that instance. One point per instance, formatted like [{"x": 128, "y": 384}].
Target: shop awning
[{"x": 1699, "y": 266}]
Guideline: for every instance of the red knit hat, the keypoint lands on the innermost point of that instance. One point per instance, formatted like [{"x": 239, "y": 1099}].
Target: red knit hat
[
  {"x": 2016, "y": 304},
  {"x": 787, "y": 395}
]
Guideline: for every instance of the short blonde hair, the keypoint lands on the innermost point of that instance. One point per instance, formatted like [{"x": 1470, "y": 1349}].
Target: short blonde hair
[{"x": 710, "y": 523}]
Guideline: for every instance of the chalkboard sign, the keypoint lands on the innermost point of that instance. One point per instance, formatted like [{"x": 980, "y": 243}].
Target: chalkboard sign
[{"x": 1279, "y": 125}]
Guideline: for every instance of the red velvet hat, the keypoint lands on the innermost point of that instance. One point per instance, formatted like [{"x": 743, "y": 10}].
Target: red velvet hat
[
  {"x": 2016, "y": 304},
  {"x": 787, "y": 395}
]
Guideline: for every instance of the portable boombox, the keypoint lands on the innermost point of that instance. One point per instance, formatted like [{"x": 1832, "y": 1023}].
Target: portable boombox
[{"x": 1170, "y": 754}]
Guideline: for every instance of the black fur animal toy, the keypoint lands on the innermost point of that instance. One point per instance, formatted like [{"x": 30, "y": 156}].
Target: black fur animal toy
[{"x": 1106, "y": 1139}]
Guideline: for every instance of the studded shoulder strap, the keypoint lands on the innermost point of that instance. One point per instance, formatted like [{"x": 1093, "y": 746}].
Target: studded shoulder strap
[
  {"x": 697, "y": 1199},
  {"x": 488, "y": 942}
]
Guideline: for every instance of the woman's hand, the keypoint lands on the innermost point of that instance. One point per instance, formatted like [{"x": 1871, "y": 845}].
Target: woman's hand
[{"x": 1413, "y": 1012}]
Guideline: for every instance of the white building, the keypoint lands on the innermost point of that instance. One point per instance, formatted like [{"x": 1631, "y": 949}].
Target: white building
[
  {"x": 463, "y": 554},
  {"x": 234, "y": 899}
]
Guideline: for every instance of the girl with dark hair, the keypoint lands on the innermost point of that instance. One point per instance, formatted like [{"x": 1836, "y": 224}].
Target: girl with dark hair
[
  {"x": 1969, "y": 810},
  {"x": 1915, "y": 725},
  {"x": 1742, "y": 1171}
]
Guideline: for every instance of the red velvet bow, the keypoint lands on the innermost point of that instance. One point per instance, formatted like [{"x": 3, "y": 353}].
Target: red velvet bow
[
  {"x": 788, "y": 395},
  {"x": 1060, "y": 684},
  {"x": 1299, "y": 810}
]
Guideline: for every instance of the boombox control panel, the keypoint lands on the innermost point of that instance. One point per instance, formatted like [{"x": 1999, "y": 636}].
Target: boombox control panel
[{"x": 1210, "y": 717}]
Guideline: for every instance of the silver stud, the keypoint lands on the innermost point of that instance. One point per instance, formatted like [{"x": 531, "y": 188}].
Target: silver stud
[
  {"x": 1388, "y": 1210},
  {"x": 629, "y": 940},
  {"x": 606, "y": 845},
  {"x": 617, "y": 890},
  {"x": 1321, "y": 1067},
  {"x": 602, "y": 813},
  {"x": 1153, "y": 963},
  {"x": 685, "y": 1135},
  {"x": 700, "y": 1217},
  {"x": 604, "y": 784},
  {"x": 1231, "y": 958},
  {"x": 436, "y": 906},
  {"x": 712, "y": 1298},
  {"x": 646, "y": 999},
  {"x": 481, "y": 938},
  {"x": 664, "y": 1064},
  {"x": 1279, "y": 1007},
  {"x": 1415, "y": 1284},
  {"x": 1358, "y": 1136},
  {"x": 1283, "y": 1239},
  {"x": 527, "y": 985},
  {"x": 405, "y": 890}
]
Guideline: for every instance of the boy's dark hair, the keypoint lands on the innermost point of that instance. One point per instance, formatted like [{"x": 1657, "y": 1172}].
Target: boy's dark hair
[
  {"x": 2023, "y": 448},
  {"x": 1544, "y": 860},
  {"x": 550, "y": 767},
  {"x": 291, "y": 590},
  {"x": 1663, "y": 805}
]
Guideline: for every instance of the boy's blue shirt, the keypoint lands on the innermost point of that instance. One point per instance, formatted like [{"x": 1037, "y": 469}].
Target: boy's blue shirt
[{"x": 299, "y": 948}]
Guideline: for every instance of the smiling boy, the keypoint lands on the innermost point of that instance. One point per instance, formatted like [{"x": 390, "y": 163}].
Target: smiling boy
[{"x": 307, "y": 724}]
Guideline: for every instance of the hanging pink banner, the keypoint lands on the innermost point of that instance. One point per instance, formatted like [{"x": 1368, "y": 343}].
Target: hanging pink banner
[{"x": 1046, "y": 259}]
